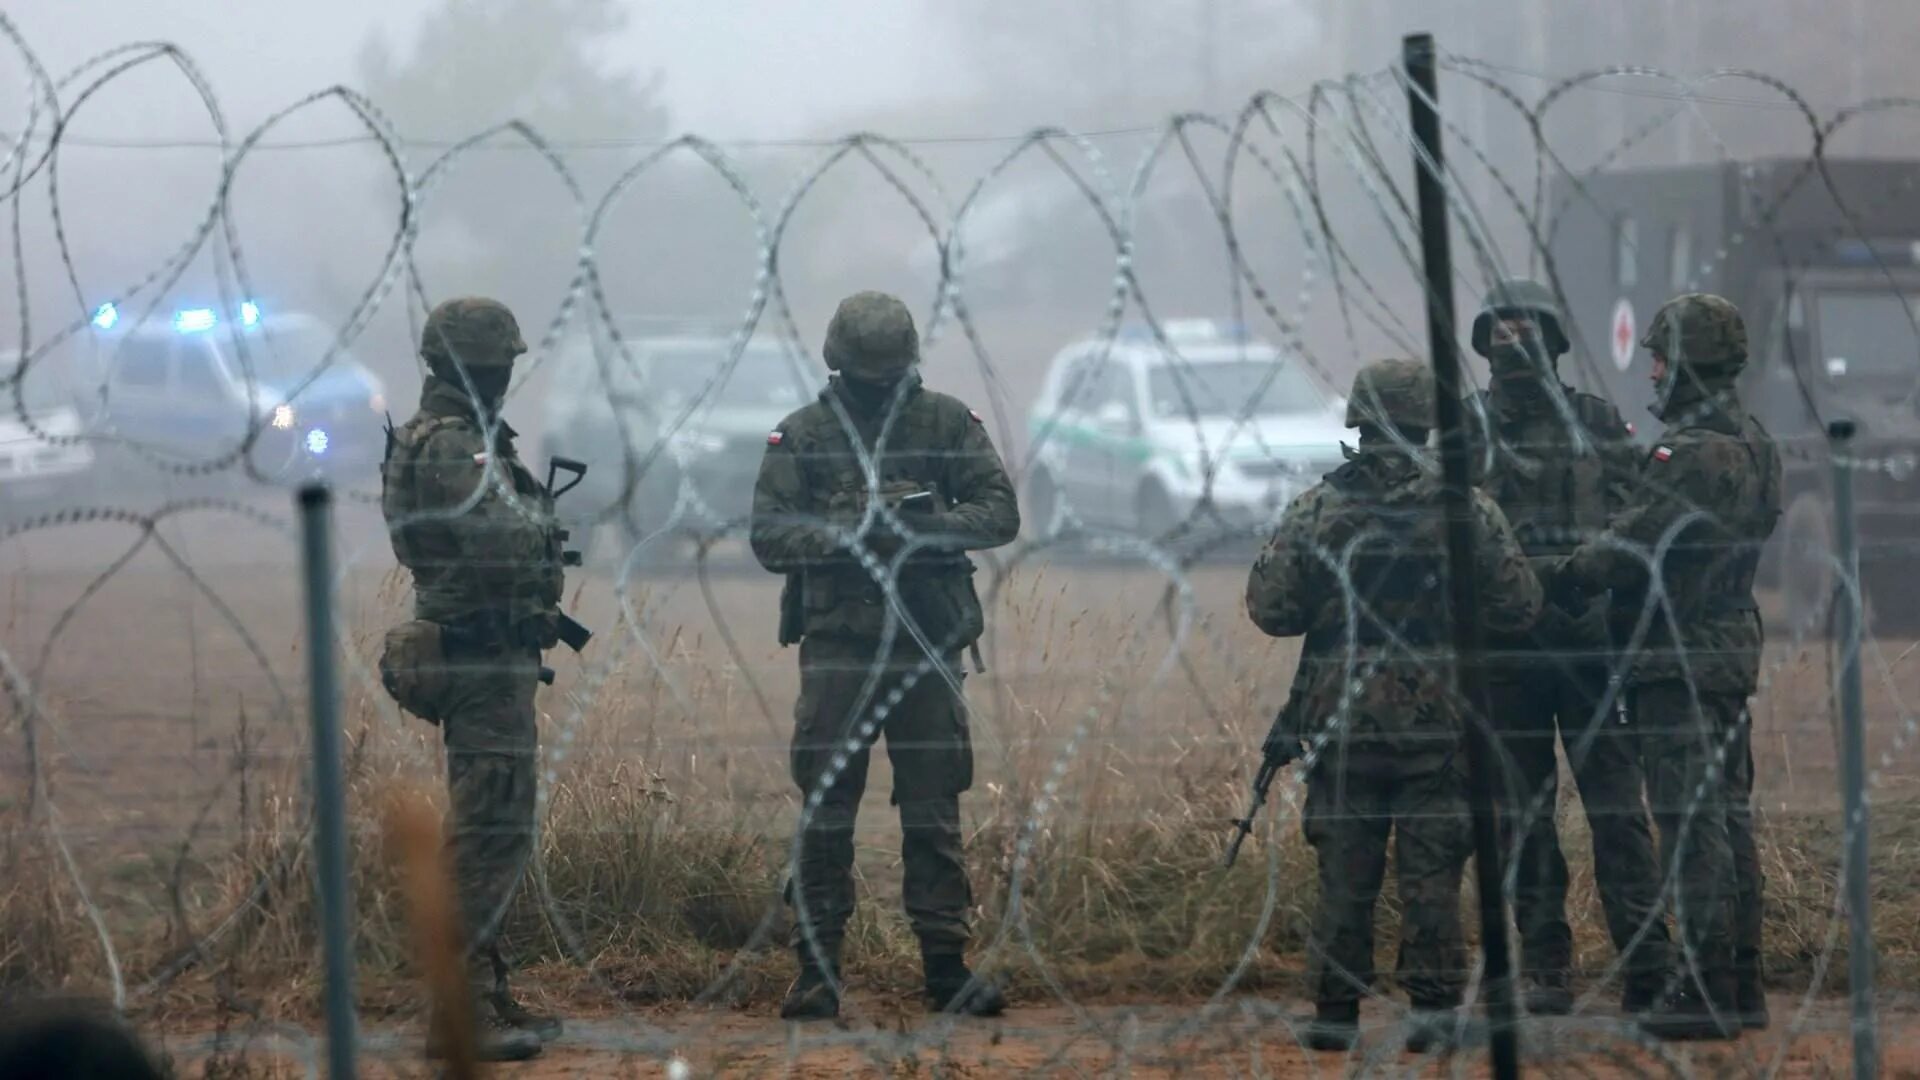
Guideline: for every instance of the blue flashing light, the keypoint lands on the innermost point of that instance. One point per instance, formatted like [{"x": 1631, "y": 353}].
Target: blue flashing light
[
  {"x": 249, "y": 313},
  {"x": 105, "y": 316},
  {"x": 193, "y": 320},
  {"x": 317, "y": 442}
]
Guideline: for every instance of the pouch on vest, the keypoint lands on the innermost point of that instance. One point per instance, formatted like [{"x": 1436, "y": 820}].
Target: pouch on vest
[
  {"x": 945, "y": 606},
  {"x": 413, "y": 668}
]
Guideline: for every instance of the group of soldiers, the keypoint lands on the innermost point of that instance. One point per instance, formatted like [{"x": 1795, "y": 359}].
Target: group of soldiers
[{"x": 869, "y": 499}]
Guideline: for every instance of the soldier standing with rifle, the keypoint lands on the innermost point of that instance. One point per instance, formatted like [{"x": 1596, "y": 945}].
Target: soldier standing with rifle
[
  {"x": 1358, "y": 565},
  {"x": 1688, "y": 543},
  {"x": 936, "y": 491},
  {"x": 1558, "y": 462},
  {"x": 477, "y": 531}
]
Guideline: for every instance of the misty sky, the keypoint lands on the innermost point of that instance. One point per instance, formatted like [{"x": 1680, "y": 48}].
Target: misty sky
[{"x": 744, "y": 68}]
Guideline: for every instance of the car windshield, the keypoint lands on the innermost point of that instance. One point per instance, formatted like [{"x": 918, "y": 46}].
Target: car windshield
[
  {"x": 285, "y": 351},
  {"x": 1869, "y": 336},
  {"x": 1229, "y": 388},
  {"x": 764, "y": 377}
]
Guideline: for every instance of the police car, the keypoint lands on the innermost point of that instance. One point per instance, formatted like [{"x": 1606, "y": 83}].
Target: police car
[
  {"x": 668, "y": 408},
  {"x": 192, "y": 386},
  {"x": 45, "y": 461},
  {"x": 1130, "y": 434}
]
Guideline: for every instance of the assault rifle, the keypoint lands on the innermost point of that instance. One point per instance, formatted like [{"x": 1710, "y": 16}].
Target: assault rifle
[
  {"x": 572, "y": 633},
  {"x": 1281, "y": 749}
]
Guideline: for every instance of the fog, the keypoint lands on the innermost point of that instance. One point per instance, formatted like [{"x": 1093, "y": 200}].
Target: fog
[{"x": 315, "y": 209}]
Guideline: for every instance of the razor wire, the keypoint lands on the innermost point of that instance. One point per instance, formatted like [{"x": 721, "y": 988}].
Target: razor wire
[{"x": 1342, "y": 138}]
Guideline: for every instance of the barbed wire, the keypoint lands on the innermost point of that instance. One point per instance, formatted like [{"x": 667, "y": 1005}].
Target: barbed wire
[{"x": 1164, "y": 651}]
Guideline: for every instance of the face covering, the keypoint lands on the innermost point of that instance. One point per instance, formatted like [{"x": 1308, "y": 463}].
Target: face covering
[{"x": 870, "y": 397}]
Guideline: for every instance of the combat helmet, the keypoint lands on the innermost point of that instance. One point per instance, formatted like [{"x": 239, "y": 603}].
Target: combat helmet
[
  {"x": 1400, "y": 392},
  {"x": 872, "y": 338},
  {"x": 1700, "y": 332},
  {"x": 1521, "y": 296},
  {"x": 479, "y": 331}
]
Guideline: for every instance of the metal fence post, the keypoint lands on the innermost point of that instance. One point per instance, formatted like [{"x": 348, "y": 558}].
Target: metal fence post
[
  {"x": 1853, "y": 760},
  {"x": 1423, "y": 97},
  {"x": 329, "y": 786}
]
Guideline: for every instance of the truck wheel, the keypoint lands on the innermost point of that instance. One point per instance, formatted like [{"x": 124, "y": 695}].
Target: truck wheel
[
  {"x": 1153, "y": 512},
  {"x": 1807, "y": 575}
]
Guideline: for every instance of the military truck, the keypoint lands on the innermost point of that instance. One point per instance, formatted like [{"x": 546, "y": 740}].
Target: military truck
[{"x": 1824, "y": 261}]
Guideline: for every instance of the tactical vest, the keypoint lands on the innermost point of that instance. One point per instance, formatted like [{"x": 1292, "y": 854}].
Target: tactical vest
[
  {"x": 1713, "y": 566},
  {"x": 936, "y": 588},
  {"x": 1552, "y": 496},
  {"x": 1395, "y": 561},
  {"x": 424, "y": 542}
]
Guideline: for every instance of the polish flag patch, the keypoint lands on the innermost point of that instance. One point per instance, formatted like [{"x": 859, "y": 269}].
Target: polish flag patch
[
  {"x": 1629, "y": 427},
  {"x": 774, "y": 438},
  {"x": 977, "y": 418},
  {"x": 480, "y": 458},
  {"x": 1662, "y": 453}
]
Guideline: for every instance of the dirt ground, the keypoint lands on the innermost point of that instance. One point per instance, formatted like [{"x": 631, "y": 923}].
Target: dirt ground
[{"x": 1235, "y": 1038}]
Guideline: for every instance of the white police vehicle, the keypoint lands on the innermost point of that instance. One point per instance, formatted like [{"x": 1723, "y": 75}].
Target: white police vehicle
[
  {"x": 191, "y": 386},
  {"x": 45, "y": 461},
  {"x": 1132, "y": 435}
]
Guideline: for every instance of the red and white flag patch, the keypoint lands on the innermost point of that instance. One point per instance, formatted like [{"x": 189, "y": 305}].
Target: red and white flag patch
[
  {"x": 1630, "y": 428},
  {"x": 1662, "y": 453},
  {"x": 480, "y": 458},
  {"x": 774, "y": 437},
  {"x": 977, "y": 418}
]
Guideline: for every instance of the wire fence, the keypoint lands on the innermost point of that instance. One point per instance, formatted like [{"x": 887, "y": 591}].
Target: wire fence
[{"x": 158, "y": 822}]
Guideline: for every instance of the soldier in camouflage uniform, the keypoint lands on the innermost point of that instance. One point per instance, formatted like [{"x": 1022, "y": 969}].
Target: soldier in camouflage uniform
[
  {"x": 1555, "y": 488},
  {"x": 937, "y": 491},
  {"x": 1358, "y": 565},
  {"x": 1708, "y": 498},
  {"x": 476, "y": 530}
]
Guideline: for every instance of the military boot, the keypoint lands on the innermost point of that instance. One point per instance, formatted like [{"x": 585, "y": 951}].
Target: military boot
[
  {"x": 1549, "y": 993},
  {"x": 1431, "y": 1030},
  {"x": 815, "y": 994},
  {"x": 515, "y": 1015},
  {"x": 952, "y": 988},
  {"x": 493, "y": 1039},
  {"x": 1684, "y": 1014},
  {"x": 1335, "y": 1027}
]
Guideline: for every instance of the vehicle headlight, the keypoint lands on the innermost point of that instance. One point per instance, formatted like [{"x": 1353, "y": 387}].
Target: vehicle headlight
[{"x": 283, "y": 417}]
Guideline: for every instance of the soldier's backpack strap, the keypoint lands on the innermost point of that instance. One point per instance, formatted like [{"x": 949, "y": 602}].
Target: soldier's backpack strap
[{"x": 400, "y": 502}]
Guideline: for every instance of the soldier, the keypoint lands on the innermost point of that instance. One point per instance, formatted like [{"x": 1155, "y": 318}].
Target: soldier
[
  {"x": 1688, "y": 542},
  {"x": 476, "y": 530},
  {"x": 1559, "y": 461},
  {"x": 937, "y": 490},
  {"x": 1357, "y": 565}
]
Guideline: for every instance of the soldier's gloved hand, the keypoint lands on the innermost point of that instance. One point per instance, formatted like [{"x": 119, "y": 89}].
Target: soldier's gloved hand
[{"x": 1283, "y": 743}]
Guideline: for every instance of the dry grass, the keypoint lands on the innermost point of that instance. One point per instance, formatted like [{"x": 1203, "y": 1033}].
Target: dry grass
[{"x": 1104, "y": 787}]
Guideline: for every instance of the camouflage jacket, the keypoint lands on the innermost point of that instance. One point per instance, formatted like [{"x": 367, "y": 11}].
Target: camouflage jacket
[
  {"x": 1358, "y": 565},
  {"x": 1707, "y": 499},
  {"x": 477, "y": 555},
  {"x": 811, "y": 491},
  {"x": 1554, "y": 495}
]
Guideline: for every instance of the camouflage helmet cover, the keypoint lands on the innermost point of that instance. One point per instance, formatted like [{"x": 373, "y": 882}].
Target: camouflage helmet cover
[
  {"x": 481, "y": 332},
  {"x": 872, "y": 336},
  {"x": 1400, "y": 391},
  {"x": 1700, "y": 332},
  {"x": 1521, "y": 296}
]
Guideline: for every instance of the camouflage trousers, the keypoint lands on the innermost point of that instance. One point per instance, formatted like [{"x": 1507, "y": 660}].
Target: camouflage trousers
[
  {"x": 492, "y": 747},
  {"x": 836, "y": 721},
  {"x": 1534, "y": 708},
  {"x": 1704, "y": 808},
  {"x": 1357, "y": 799}
]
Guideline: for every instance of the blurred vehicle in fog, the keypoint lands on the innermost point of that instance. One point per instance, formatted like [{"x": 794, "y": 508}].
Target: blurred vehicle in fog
[
  {"x": 46, "y": 463},
  {"x": 189, "y": 389},
  {"x": 1134, "y": 435},
  {"x": 672, "y": 406},
  {"x": 1825, "y": 267}
]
